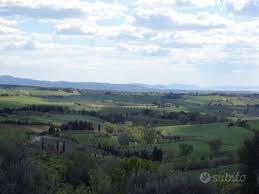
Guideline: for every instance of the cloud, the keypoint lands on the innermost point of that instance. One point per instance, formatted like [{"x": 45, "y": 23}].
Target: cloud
[
  {"x": 42, "y": 12},
  {"x": 147, "y": 50},
  {"x": 249, "y": 10},
  {"x": 94, "y": 40},
  {"x": 8, "y": 27},
  {"x": 49, "y": 9},
  {"x": 236, "y": 5},
  {"x": 162, "y": 22}
]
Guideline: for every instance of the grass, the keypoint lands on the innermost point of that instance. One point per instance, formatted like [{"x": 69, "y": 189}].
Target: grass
[
  {"x": 26, "y": 91},
  {"x": 25, "y": 100},
  {"x": 254, "y": 124},
  {"x": 233, "y": 136},
  {"x": 86, "y": 137},
  {"x": 46, "y": 118},
  {"x": 199, "y": 149},
  {"x": 224, "y": 100},
  {"x": 18, "y": 132}
]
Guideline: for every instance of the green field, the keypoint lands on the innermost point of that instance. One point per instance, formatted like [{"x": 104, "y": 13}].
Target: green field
[
  {"x": 18, "y": 132},
  {"x": 233, "y": 136},
  {"x": 27, "y": 100},
  {"x": 27, "y": 91},
  {"x": 46, "y": 118}
]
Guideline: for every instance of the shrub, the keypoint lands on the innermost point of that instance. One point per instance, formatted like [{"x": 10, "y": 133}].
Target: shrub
[
  {"x": 77, "y": 169},
  {"x": 18, "y": 173},
  {"x": 124, "y": 139},
  {"x": 144, "y": 183},
  {"x": 185, "y": 149},
  {"x": 215, "y": 146}
]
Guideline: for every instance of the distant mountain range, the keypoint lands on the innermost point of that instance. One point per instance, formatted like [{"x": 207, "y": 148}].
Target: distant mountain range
[{"x": 10, "y": 80}]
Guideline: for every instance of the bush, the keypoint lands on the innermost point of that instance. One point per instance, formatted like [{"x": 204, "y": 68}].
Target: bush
[
  {"x": 185, "y": 149},
  {"x": 129, "y": 167},
  {"x": 18, "y": 173},
  {"x": 123, "y": 139},
  {"x": 143, "y": 183},
  {"x": 215, "y": 146},
  {"x": 249, "y": 157},
  {"x": 77, "y": 169}
]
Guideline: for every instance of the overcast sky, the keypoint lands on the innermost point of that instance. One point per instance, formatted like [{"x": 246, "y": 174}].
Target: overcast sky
[{"x": 202, "y": 42}]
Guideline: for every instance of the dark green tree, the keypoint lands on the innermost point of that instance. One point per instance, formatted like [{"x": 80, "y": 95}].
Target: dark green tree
[
  {"x": 249, "y": 157},
  {"x": 52, "y": 130},
  {"x": 185, "y": 149}
]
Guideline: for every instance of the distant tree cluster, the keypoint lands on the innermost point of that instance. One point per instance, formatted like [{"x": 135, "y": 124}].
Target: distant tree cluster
[
  {"x": 4, "y": 94},
  {"x": 173, "y": 95},
  {"x": 155, "y": 155},
  {"x": 191, "y": 117},
  {"x": 45, "y": 108},
  {"x": 180, "y": 117},
  {"x": 7, "y": 111},
  {"x": 77, "y": 125},
  {"x": 114, "y": 117},
  {"x": 239, "y": 123}
]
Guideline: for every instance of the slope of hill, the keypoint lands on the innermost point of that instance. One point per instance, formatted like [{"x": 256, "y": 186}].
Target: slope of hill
[{"x": 9, "y": 80}]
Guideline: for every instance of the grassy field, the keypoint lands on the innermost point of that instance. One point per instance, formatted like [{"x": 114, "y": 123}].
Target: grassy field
[
  {"x": 224, "y": 100},
  {"x": 27, "y": 100},
  {"x": 46, "y": 118},
  {"x": 27, "y": 91},
  {"x": 91, "y": 138},
  {"x": 18, "y": 132},
  {"x": 233, "y": 136}
]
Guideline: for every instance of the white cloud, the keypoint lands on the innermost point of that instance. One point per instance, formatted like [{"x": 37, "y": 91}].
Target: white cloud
[
  {"x": 237, "y": 5},
  {"x": 60, "y": 9},
  {"x": 8, "y": 27},
  {"x": 174, "y": 40},
  {"x": 144, "y": 50}
]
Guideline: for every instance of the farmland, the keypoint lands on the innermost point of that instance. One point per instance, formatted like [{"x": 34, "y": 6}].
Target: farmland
[{"x": 117, "y": 125}]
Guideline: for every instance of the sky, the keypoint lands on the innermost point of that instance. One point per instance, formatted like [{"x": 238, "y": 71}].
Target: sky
[{"x": 197, "y": 42}]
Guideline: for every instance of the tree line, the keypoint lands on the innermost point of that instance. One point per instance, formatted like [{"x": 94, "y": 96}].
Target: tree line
[
  {"x": 155, "y": 155},
  {"x": 77, "y": 125},
  {"x": 113, "y": 117}
]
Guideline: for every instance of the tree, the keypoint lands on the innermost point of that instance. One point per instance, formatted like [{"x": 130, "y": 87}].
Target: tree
[
  {"x": 129, "y": 167},
  {"x": 18, "y": 173},
  {"x": 42, "y": 144},
  {"x": 64, "y": 147},
  {"x": 185, "y": 149},
  {"x": 215, "y": 146},
  {"x": 249, "y": 157},
  {"x": 100, "y": 183},
  {"x": 57, "y": 147},
  {"x": 109, "y": 128},
  {"x": 149, "y": 135},
  {"x": 77, "y": 169},
  {"x": 157, "y": 154},
  {"x": 157, "y": 183},
  {"x": 124, "y": 139},
  {"x": 52, "y": 130}
]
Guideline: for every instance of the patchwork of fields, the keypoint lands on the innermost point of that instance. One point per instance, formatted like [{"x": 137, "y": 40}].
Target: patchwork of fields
[{"x": 115, "y": 124}]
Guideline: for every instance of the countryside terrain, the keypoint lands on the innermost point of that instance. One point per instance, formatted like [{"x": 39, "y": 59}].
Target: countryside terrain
[{"x": 100, "y": 141}]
